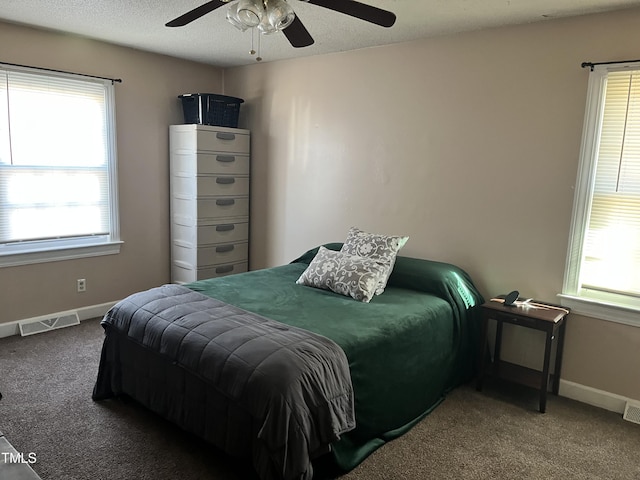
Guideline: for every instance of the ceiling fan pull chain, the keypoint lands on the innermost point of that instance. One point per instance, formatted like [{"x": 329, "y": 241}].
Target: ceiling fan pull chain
[
  {"x": 258, "y": 58},
  {"x": 253, "y": 50}
]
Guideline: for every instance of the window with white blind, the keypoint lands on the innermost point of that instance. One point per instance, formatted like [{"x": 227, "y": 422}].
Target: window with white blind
[
  {"x": 57, "y": 167},
  {"x": 603, "y": 266}
]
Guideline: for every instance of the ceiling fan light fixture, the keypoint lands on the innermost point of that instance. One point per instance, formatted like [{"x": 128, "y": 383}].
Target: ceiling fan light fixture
[
  {"x": 265, "y": 26},
  {"x": 268, "y": 16},
  {"x": 279, "y": 13},
  {"x": 232, "y": 18},
  {"x": 250, "y": 12},
  {"x": 245, "y": 14}
]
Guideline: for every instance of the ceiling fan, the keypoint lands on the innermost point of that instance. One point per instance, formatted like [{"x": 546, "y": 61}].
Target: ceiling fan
[{"x": 270, "y": 16}]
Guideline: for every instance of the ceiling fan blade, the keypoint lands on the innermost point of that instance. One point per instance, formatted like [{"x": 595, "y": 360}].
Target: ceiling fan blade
[
  {"x": 297, "y": 34},
  {"x": 195, "y": 14},
  {"x": 359, "y": 10}
]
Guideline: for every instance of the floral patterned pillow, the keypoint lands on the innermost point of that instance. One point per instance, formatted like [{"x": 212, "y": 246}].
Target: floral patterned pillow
[
  {"x": 345, "y": 274},
  {"x": 381, "y": 248}
]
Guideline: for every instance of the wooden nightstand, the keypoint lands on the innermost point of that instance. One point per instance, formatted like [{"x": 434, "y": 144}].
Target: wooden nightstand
[{"x": 551, "y": 320}]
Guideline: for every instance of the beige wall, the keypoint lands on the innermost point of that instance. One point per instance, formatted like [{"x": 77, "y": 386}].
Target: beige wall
[
  {"x": 467, "y": 143},
  {"x": 146, "y": 103}
]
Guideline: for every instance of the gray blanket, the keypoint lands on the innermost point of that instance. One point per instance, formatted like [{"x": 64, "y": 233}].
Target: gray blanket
[{"x": 293, "y": 384}]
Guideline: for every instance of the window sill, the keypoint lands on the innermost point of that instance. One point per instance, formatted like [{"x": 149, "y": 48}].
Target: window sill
[
  {"x": 601, "y": 310},
  {"x": 56, "y": 255}
]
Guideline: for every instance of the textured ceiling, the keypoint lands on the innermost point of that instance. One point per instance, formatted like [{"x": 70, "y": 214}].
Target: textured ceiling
[{"x": 211, "y": 39}]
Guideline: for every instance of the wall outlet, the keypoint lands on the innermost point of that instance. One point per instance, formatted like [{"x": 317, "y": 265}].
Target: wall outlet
[{"x": 81, "y": 284}]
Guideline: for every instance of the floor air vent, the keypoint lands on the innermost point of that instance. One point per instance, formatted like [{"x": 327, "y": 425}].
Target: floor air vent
[
  {"x": 632, "y": 412},
  {"x": 44, "y": 324}
]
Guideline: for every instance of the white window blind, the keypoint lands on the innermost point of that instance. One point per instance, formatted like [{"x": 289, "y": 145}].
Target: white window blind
[
  {"x": 604, "y": 256},
  {"x": 612, "y": 241},
  {"x": 57, "y": 164}
]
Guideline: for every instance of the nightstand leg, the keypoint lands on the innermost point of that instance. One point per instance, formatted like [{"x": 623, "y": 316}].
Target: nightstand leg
[
  {"x": 482, "y": 352},
  {"x": 544, "y": 384},
  {"x": 497, "y": 350},
  {"x": 559, "y": 349}
]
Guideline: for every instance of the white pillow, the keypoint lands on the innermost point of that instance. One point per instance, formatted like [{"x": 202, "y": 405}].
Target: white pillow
[
  {"x": 345, "y": 274},
  {"x": 381, "y": 248}
]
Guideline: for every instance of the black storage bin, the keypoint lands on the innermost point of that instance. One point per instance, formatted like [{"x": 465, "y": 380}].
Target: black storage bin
[{"x": 211, "y": 109}]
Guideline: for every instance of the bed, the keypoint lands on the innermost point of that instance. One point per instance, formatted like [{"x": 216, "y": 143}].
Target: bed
[{"x": 365, "y": 373}]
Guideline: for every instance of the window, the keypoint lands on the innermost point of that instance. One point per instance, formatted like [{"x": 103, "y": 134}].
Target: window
[
  {"x": 57, "y": 167},
  {"x": 602, "y": 278}
]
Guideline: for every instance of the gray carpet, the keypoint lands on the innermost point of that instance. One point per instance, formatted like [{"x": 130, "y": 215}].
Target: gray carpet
[{"x": 47, "y": 409}]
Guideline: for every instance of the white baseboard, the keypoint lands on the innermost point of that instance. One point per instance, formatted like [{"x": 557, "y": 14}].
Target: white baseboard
[
  {"x": 84, "y": 313},
  {"x": 593, "y": 396}
]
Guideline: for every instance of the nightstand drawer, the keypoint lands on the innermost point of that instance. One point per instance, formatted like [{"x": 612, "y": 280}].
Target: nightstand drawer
[{"x": 515, "y": 319}]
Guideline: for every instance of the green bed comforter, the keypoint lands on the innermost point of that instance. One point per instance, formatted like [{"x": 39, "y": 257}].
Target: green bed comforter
[{"x": 406, "y": 348}]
